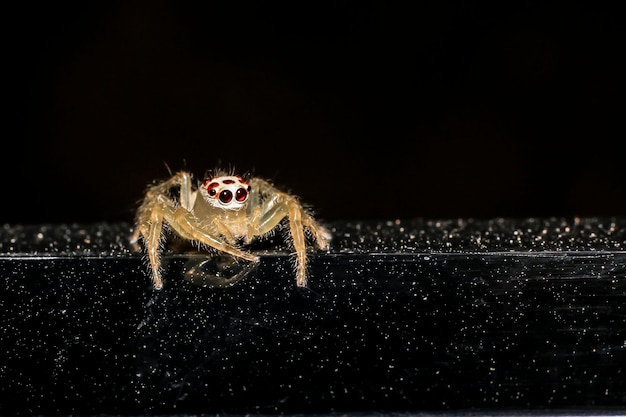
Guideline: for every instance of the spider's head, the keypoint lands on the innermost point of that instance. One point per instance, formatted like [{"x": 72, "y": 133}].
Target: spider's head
[{"x": 229, "y": 192}]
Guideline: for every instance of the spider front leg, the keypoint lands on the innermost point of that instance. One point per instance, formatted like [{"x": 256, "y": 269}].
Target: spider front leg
[{"x": 150, "y": 228}]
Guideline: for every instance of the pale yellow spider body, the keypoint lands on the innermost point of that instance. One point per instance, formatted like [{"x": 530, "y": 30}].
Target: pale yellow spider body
[{"x": 223, "y": 212}]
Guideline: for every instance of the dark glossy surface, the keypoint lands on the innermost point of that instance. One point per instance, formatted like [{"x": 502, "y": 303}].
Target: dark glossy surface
[{"x": 404, "y": 316}]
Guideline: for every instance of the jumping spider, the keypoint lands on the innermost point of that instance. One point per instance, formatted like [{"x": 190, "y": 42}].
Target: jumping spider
[{"x": 221, "y": 212}]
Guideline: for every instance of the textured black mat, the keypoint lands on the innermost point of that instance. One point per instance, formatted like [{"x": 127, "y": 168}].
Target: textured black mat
[{"x": 400, "y": 316}]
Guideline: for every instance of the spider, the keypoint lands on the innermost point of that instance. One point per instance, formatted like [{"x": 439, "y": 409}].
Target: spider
[{"x": 222, "y": 212}]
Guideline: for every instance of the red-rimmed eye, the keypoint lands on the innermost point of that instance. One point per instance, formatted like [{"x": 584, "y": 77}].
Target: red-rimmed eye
[
  {"x": 241, "y": 194},
  {"x": 226, "y": 196},
  {"x": 211, "y": 187}
]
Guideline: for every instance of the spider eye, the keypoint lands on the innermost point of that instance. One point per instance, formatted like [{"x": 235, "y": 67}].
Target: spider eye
[
  {"x": 226, "y": 196},
  {"x": 241, "y": 194},
  {"x": 211, "y": 187}
]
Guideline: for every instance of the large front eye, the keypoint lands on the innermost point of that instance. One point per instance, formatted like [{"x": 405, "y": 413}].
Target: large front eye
[
  {"x": 226, "y": 196},
  {"x": 241, "y": 194}
]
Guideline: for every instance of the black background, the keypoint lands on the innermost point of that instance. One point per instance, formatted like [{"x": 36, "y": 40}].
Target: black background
[{"x": 366, "y": 110}]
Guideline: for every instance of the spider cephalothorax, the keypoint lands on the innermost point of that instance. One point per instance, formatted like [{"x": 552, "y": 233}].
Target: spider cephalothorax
[{"x": 231, "y": 209}]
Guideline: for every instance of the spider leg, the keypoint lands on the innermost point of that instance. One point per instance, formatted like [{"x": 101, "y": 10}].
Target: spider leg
[
  {"x": 149, "y": 222},
  {"x": 153, "y": 246},
  {"x": 183, "y": 180},
  {"x": 267, "y": 219},
  {"x": 282, "y": 205},
  {"x": 321, "y": 235}
]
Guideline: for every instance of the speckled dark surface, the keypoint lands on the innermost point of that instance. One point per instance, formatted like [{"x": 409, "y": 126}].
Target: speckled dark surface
[
  {"x": 400, "y": 316},
  {"x": 393, "y": 236}
]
